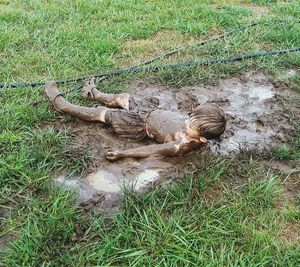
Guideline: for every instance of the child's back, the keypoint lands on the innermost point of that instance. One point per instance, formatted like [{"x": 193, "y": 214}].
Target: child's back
[{"x": 165, "y": 126}]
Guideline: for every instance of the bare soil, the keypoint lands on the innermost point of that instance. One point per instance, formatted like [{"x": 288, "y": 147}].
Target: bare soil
[
  {"x": 5, "y": 239},
  {"x": 291, "y": 188},
  {"x": 290, "y": 234},
  {"x": 259, "y": 10}
]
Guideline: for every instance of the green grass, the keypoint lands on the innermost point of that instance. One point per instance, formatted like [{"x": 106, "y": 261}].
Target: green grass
[
  {"x": 175, "y": 226},
  {"x": 231, "y": 212}
]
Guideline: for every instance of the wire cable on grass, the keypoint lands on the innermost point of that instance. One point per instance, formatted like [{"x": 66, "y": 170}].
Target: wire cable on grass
[
  {"x": 147, "y": 62},
  {"x": 213, "y": 38},
  {"x": 157, "y": 68},
  {"x": 172, "y": 52}
]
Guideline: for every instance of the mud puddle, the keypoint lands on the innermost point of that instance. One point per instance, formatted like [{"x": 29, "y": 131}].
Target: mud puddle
[
  {"x": 256, "y": 120},
  {"x": 102, "y": 187},
  {"x": 255, "y": 116}
]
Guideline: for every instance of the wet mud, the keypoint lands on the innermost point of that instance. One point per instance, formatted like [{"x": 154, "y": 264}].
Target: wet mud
[{"x": 256, "y": 120}]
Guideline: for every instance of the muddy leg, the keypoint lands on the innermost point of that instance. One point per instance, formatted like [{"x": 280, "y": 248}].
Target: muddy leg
[
  {"x": 83, "y": 113},
  {"x": 89, "y": 91}
]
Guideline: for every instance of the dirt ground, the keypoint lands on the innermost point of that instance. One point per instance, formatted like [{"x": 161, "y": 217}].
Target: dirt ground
[{"x": 257, "y": 120}]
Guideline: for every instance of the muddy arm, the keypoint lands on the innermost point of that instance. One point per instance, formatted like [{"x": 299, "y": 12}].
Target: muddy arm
[{"x": 168, "y": 149}]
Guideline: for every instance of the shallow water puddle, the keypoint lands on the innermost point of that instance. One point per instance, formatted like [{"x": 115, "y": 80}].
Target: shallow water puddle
[
  {"x": 108, "y": 182},
  {"x": 105, "y": 182},
  {"x": 75, "y": 183},
  {"x": 112, "y": 177}
]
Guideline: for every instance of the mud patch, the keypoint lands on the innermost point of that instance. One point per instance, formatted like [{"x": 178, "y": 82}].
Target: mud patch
[
  {"x": 286, "y": 168},
  {"x": 5, "y": 240},
  {"x": 257, "y": 120},
  {"x": 291, "y": 187},
  {"x": 101, "y": 186}
]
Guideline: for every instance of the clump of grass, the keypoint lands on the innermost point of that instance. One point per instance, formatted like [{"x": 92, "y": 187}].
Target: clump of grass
[
  {"x": 47, "y": 220},
  {"x": 288, "y": 151},
  {"x": 285, "y": 153},
  {"x": 263, "y": 192}
]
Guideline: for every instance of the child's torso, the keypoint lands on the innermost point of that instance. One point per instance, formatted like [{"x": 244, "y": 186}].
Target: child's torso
[{"x": 165, "y": 126}]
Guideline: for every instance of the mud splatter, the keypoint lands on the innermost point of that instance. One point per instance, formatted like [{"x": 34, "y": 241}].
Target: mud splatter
[{"x": 256, "y": 120}]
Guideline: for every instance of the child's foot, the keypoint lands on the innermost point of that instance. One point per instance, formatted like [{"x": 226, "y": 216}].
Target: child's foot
[
  {"x": 51, "y": 92},
  {"x": 87, "y": 89}
]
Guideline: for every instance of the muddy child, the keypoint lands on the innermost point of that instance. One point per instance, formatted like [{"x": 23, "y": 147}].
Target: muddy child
[{"x": 139, "y": 118}]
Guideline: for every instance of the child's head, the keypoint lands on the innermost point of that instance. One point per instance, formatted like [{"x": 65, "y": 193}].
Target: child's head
[{"x": 207, "y": 121}]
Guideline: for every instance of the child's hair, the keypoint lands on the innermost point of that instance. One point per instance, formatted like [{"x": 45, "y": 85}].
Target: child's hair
[{"x": 208, "y": 120}]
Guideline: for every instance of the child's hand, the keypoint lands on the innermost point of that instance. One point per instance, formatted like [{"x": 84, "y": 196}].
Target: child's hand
[{"x": 113, "y": 155}]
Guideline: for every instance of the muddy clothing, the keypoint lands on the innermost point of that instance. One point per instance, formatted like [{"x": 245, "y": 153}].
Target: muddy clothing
[
  {"x": 146, "y": 103},
  {"x": 143, "y": 119},
  {"x": 126, "y": 123},
  {"x": 131, "y": 123}
]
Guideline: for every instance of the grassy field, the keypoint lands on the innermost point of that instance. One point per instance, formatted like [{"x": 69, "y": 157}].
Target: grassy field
[{"x": 231, "y": 212}]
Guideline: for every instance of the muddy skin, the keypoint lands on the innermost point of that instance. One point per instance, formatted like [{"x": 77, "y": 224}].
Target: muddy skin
[
  {"x": 165, "y": 127},
  {"x": 58, "y": 102},
  {"x": 89, "y": 91},
  {"x": 256, "y": 118}
]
